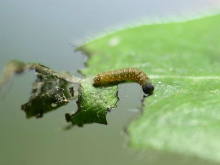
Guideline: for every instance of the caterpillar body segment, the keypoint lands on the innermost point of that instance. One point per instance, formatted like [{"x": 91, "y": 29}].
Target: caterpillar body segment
[{"x": 128, "y": 74}]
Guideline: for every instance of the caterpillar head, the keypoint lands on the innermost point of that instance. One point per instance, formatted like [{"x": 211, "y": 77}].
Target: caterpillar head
[
  {"x": 148, "y": 88},
  {"x": 97, "y": 80}
]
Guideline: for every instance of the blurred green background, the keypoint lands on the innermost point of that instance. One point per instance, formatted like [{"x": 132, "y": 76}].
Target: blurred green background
[{"x": 44, "y": 32}]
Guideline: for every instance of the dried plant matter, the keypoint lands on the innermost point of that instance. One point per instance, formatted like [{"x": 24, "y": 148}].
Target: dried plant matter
[{"x": 53, "y": 89}]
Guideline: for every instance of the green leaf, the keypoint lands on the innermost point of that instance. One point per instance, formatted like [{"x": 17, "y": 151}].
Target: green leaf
[
  {"x": 190, "y": 48},
  {"x": 183, "y": 61},
  {"x": 93, "y": 104}
]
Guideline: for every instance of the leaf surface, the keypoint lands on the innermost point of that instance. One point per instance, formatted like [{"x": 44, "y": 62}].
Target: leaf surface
[
  {"x": 93, "y": 104},
  {"x": 183, "y": 61}
]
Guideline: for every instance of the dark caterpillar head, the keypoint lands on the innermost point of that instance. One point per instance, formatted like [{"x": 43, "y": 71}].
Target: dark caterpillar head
[{"x": 148, "y": 88}]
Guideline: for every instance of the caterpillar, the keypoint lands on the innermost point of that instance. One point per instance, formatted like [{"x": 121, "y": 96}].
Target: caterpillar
[{"x": 128, "y": 74}]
